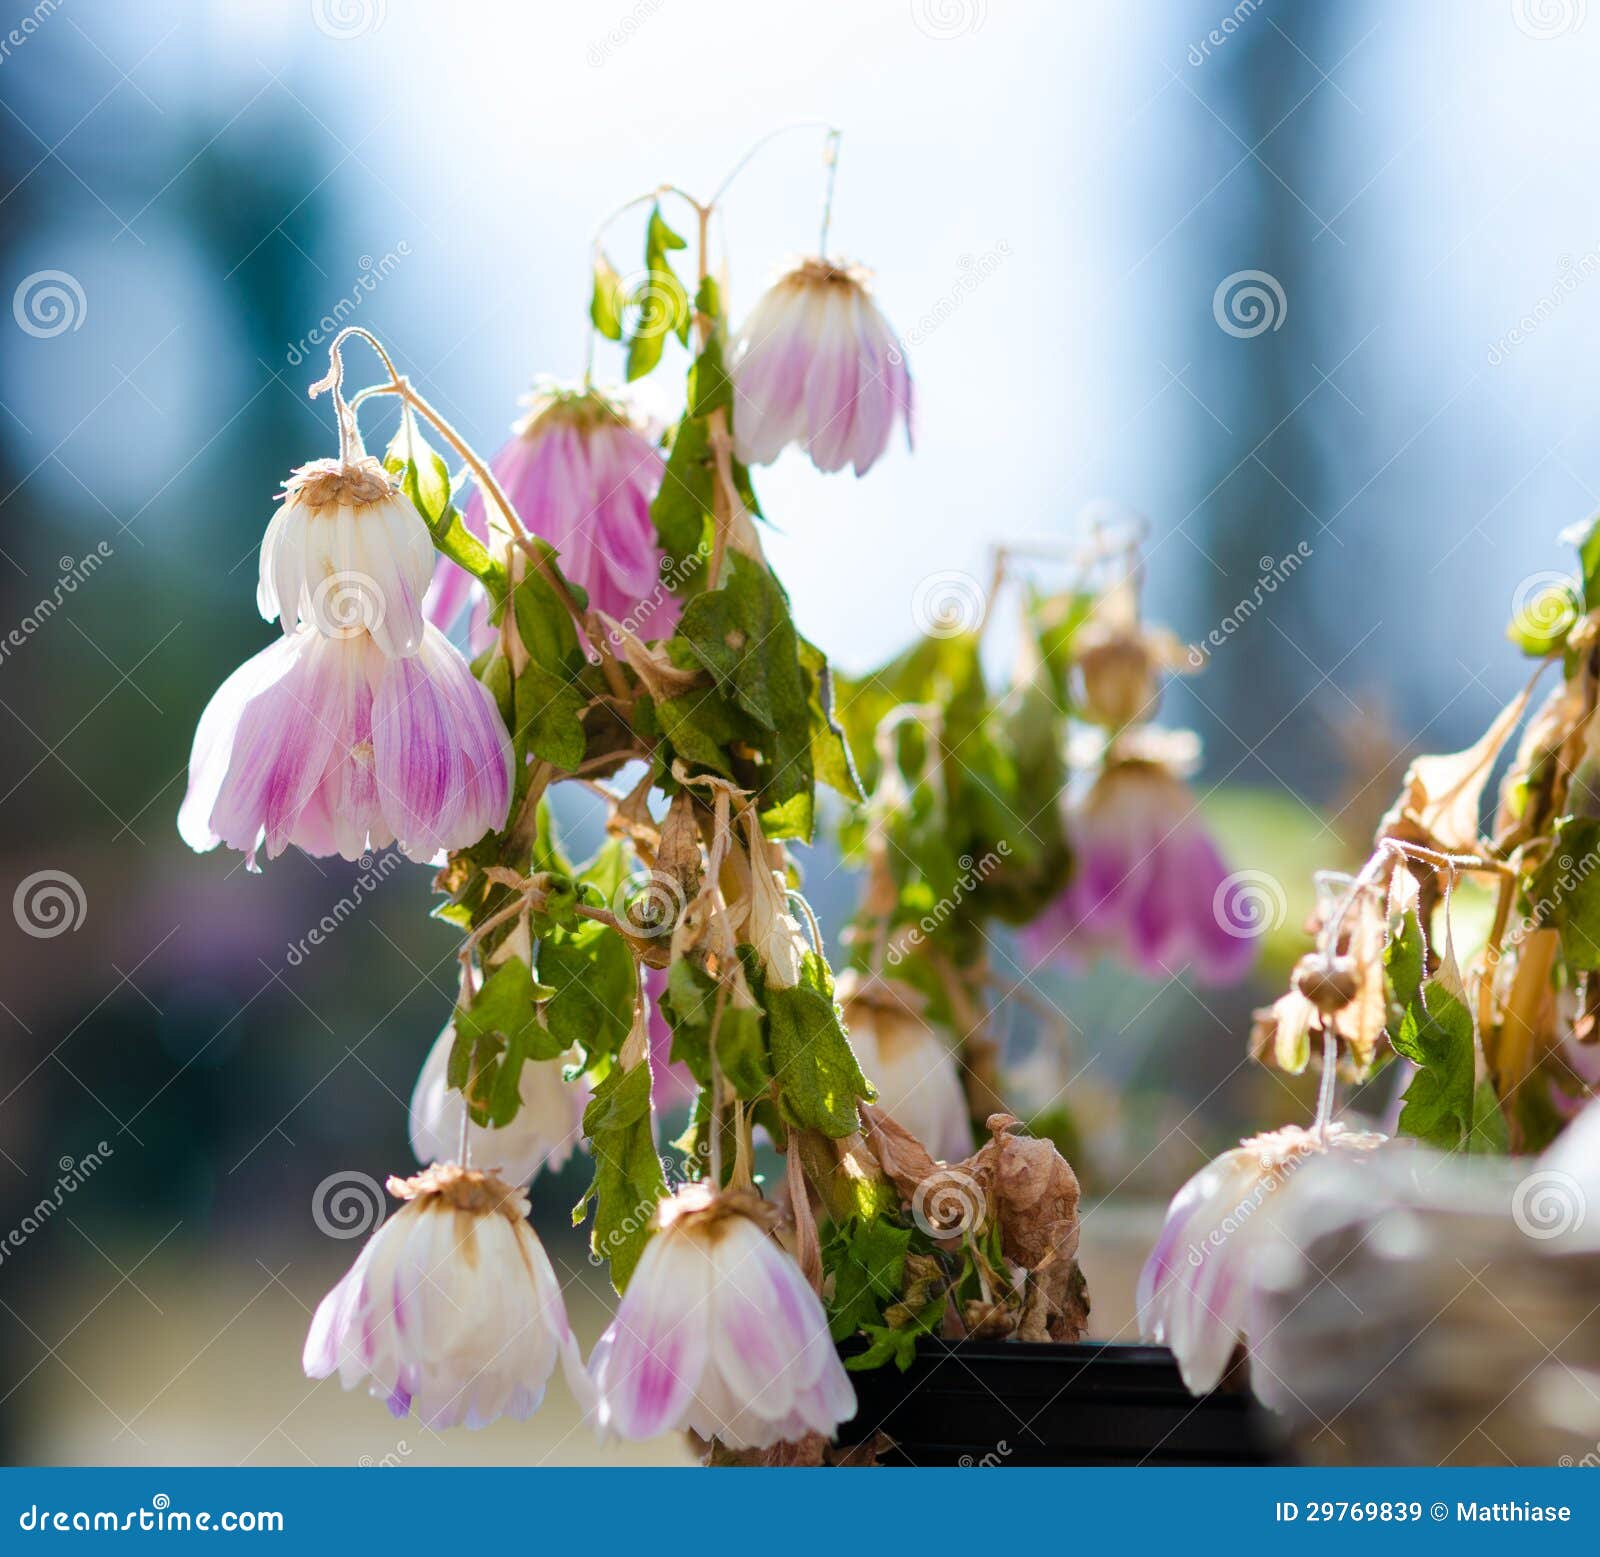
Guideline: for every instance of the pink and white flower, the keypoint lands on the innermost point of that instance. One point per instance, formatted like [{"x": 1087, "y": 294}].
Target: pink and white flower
[
  {"x": 451, "y": 1309},
  {"x": 582, "y": 477},
  {"x": 671, "y": 1083},
  {"x": 546, "y": 1128},
  {"x": 329, "y": 744},
  {"x": 1148, "y": 884},
  {"x": 912, "y": 1067},
  {"x": 347, "y": 553},
  {"x": 1196, "y": 1290},
  {"x": 719, "y": 1332},
  {"x": 817, "y": 365}
]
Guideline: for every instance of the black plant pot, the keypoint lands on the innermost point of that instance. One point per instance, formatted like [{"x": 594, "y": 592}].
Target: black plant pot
[{"x": 996, "y": 1403}]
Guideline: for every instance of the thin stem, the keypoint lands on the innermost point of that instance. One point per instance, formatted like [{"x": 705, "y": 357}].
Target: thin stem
[
  {"x": 771, "y": 135},
  {"x": 1330, "y": 1081},
  {"x": 830, "y": 160}
]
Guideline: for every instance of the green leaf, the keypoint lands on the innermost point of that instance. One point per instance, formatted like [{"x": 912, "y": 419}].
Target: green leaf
[
  {"x": 605, "y": 307},
  {"x": 591, "y": 974},
  {"x": 1585, "y": 535},
  {"x": 425, "y": 479},
  {"x": 700, "y": 725},
  {"x": 659, "y": 297},
  {"x": 495, "y": 1035},
  {"x": 549, "y": 719},
  {"x": 830, "y": 752},
  {"x": 628, "y": 1182},
  {"x": 682, "y": 508},
  {"x": 819, "y": 1079},
  {"x": 543, "y": 622},
  {"x": 1565, "y": 892},
  {"x": 1541, "y": 626},
  {"x": 867, "y": 1262},
  {"x": 1435, "y": 1032},
  {"x": 690, "y": 1009}
]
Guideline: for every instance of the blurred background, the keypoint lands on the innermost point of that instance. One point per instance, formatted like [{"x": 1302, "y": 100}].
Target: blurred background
[{"x": 1060, "y": 204}]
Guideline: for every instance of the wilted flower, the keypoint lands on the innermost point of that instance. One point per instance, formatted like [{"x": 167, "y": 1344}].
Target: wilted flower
[
  {"x": 329, "y": 744},
  {"x": 1148, "y": 884},
  {"x": 720, "y": 1333},
  {"x": 817, "y": 364},
  {"x": 582, "y": 477},
  {"x": 452, "y": 1309},
  {"x": 911, "y": 1065},
  {"x": 348, "y": 553},
  {"x": 547, "y": 1126},
  {"x": 1195, "y": 1290}
]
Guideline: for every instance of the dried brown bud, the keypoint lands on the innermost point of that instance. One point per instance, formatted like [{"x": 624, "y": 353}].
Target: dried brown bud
[{"x": 1329, "y": 983}]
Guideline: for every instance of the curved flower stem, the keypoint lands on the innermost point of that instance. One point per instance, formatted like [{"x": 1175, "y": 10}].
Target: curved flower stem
[
  {"x": 1330, "y": 1082},
  {"x": 830, "y": 151},
  {"x": 399, "y": 385}
]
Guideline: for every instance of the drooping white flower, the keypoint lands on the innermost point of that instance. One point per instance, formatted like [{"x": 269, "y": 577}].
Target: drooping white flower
[
  {"x": 1195, "y": 1290},
  {"x": 913, "y": 1068},
  {"x": 452, "y": 1308},
  {"x": 720, "y": 1333},
  {"x": 817, "y": 364},
  {"x": 347, "y": 553},
  {"x": 547, "y": 1126}
]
